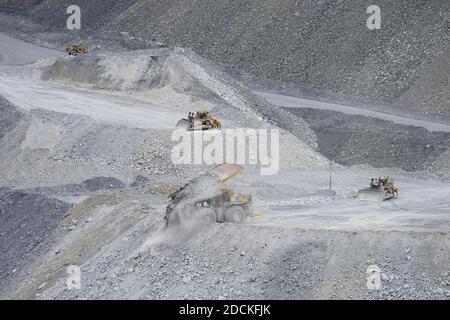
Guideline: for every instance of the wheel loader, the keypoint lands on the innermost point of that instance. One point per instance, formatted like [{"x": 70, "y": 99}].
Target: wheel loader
[
  {"x": 74, "y": 49},
  {"x": 380, "y": 189},
  {"x": 200, "y": 120},
  {"x": 207, "y": 199}
]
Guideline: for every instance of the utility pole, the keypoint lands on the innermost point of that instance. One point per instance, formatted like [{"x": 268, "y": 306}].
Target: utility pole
[{"x": 331, "y": 171}]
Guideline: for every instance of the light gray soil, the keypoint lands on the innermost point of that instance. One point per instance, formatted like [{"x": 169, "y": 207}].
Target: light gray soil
[{"x": 85, "y": 159}]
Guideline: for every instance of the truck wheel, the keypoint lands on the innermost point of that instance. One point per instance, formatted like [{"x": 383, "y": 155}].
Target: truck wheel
[
  {"x": 207, "y": 215},
  {"x": 235, "y": 214}
]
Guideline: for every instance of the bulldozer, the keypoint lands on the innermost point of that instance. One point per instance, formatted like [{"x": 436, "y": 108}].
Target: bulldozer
[
  {"x": 75, "y": 49},
  {"x": 207, "y": 199},
  {"x": 200, "y": 120},
  {"x": 381, "y": 189}
]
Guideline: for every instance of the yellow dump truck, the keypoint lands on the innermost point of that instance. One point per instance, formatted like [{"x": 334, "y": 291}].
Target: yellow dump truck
[{"x": 207, "y": 199}]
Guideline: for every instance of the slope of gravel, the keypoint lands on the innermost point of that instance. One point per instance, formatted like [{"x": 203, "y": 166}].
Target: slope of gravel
[
  {"x": 139, "y": 69},
  {"x": 52, "y": 13},
  {"x": 17, "y": 5},
  {"x": 243, "y": 99},
  {"x": 431, "y": 93},
  {"x": 182, "y": 72},
  {"x": 355, "y": 139},
  {"x": 27, "y": 225},
  {"x": 10, "y": 117},
  {"x": 87, "y": 186},
  {"x": 227, "y": 261},
  {"x": 59, "y": 149},
  {"x": 324, "y": 45}
]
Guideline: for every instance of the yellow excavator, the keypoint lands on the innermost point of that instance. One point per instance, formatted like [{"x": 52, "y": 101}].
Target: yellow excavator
[
  {"x": 207, "y": 199},
  {"x": 75, "y": 49},
  {"x": 200, "y": 120},
  {"x": 381, "y": 188}
]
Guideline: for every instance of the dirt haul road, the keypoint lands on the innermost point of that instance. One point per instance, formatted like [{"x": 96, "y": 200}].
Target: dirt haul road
[
  {"x": 305, "y": 243},
  {"x": 99, "y": 106},
  {"x": 294, "y": 102}
]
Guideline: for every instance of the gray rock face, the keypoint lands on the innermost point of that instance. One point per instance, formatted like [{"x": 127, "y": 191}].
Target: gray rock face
[
  {"x": 102, "y": 183},
  {"x": 355, "y": 139}
]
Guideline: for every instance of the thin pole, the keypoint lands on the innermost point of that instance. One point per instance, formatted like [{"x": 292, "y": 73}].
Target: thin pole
[{"x": 331, "y": 171}]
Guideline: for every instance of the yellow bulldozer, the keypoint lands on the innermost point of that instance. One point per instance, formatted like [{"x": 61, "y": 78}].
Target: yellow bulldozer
[
  {"x": 75, "y": 49},
  {"x": 200, "y": 120},
  {"x": 207, "y": 199},
  {"x": 381, "y": 188}
]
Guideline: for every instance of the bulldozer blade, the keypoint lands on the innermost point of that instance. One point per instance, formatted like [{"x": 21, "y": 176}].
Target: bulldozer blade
[
  {"x": 183, "y": 123},
  {"x": 371, "y": 195}
]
